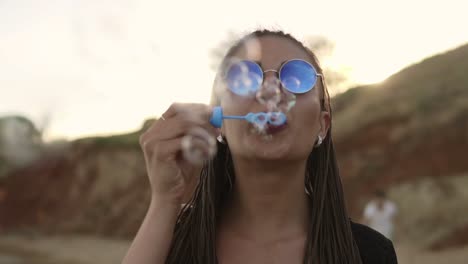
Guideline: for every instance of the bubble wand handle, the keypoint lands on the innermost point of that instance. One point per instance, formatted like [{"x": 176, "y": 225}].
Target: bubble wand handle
[
  {"x": 217, "y": 117},
  {"x": 233, "y": 117}
]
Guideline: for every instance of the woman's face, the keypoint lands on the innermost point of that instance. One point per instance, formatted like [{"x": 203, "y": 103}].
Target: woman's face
[{"x": 305, "y": 121}]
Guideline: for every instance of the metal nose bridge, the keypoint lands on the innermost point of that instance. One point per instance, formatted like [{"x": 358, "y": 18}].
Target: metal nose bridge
[
  {"x": 271, "y": 70},
  {"x": 276, "y": 73}
]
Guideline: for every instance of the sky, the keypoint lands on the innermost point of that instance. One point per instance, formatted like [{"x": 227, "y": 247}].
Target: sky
[{"x": 97, "y": 67}]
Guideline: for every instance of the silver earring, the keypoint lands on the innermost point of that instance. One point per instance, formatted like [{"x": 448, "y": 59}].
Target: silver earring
[
  {"x": 319, "y": 141},
  {"x": 220, "y": 139}
]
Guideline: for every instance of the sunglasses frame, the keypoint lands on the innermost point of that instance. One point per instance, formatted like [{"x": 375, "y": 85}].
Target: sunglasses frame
[{"x": 278, "y": 73}]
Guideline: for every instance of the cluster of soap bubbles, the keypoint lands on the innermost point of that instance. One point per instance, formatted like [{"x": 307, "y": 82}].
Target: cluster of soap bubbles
[
  {"x": 277, "y": 101},
  {"x": 265, "y": 89},
  {"x": 240, "y": 80},
  {"x": 199, "y": 146}
]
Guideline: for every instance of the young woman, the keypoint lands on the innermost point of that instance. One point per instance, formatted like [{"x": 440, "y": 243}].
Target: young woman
[{"x": 275, "y": 199}]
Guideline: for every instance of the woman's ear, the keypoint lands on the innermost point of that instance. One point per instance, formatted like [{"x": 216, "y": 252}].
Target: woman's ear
[{"x": 325, "y": 121}]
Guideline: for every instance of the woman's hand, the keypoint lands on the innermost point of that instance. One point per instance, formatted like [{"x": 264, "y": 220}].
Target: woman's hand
[{"x": 173, "y": 178}]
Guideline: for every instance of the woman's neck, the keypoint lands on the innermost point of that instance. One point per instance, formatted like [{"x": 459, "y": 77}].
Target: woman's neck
[{"x": 268, "y": 200}]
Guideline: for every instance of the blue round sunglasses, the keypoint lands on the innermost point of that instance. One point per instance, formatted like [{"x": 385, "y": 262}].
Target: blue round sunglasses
[{"x": 246, "y": 77}]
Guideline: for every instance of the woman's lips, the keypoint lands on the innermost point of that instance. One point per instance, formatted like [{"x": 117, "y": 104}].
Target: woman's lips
[{"x": 271, "y": 129}]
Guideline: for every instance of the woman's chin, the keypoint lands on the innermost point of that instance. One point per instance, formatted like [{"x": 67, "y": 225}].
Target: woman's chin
[
  {"x": 268, "y": 147},
  {"x": 271, "y": 155}
]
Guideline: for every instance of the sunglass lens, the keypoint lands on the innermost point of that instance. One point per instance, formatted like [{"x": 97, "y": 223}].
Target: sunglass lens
[
  {"x": 298, "y": 76},
  {"x": 244, "y": 77}
]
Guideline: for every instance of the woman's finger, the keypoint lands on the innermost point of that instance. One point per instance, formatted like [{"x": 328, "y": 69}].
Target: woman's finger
[
  {"x": 177, "y": 127},
  {"x": 192, "y": 111},
  {"x": 167, "y": 150},
  {"x": 181, "y": 117}
]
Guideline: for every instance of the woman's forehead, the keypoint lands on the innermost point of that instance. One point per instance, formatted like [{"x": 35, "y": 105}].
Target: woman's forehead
[{"x": 271, "y": 51}]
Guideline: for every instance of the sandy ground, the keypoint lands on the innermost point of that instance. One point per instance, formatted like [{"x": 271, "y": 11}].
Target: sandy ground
[
  {"x": 15, "y": 249},
  {"x": 64, "y": 250}
]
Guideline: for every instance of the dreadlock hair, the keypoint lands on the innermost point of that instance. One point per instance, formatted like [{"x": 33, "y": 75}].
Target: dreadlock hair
[{"x": 329, "y": 238}]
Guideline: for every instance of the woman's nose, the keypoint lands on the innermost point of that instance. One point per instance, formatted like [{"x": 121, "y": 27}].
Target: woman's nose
[
  {"x": 270, "y": 74},
  {"x": 269, "y": 93}
]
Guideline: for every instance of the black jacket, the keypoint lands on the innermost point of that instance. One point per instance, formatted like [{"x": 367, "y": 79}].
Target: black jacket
[{"x": 374, "y": 247}]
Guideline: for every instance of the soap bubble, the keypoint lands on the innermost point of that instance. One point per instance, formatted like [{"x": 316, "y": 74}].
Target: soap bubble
[
  {"x": 240, "y": 80},
  {"x": 259, "y": 121},
  {"x": 269, "y": 93},
  {"x": 260, "y": 118},
  {"x": 275, "y": 97},
  {"x": 292, "y": 83},
  {"x": 287, "y": 102},
  {"x": 245, "y": 85},
  {"x": 253, "y": 48},
  {"x": 198, "y": 146},
  {"x": 276, "y": 118},
  {"x": 267, "y": 137}
]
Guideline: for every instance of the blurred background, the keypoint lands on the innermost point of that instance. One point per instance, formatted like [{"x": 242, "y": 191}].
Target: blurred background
[{"x": 80, "y": 80}]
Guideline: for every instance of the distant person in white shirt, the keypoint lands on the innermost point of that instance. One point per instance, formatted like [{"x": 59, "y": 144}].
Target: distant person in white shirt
[{"x": 380, "y": 214}]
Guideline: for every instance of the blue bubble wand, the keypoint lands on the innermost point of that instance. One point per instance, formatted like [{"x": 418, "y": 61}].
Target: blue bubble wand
[{"x": 260, "y": 118}]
